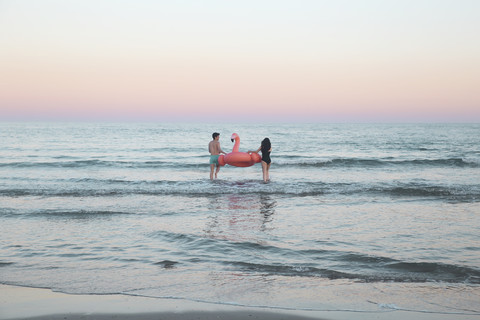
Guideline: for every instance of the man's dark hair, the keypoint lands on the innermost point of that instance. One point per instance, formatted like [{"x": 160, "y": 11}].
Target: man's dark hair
[{"x": 215, "y": 134}]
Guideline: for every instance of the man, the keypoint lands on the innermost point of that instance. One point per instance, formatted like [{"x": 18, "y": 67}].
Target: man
[{"x": 215, "y": 150}]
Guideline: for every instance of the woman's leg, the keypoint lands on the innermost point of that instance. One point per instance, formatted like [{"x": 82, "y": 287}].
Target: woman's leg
[
  {"x": 264, "y": 171},
  {"x": 268, "y": 172}
]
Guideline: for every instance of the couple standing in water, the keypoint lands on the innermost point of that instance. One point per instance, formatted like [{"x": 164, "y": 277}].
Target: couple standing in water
[{"x": 215, "y": 151}]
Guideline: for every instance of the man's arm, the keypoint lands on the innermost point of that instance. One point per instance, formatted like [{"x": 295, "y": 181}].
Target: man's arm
[
  {"x": 220, "y": 149},
  {"x": 210, "y": 147}
]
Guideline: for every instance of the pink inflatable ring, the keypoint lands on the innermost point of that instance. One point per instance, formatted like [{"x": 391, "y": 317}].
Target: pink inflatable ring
[{"x": 239, "y": 159}]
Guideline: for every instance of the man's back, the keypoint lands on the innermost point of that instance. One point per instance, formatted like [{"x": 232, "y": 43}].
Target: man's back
[{"x": 214, "y": 147}]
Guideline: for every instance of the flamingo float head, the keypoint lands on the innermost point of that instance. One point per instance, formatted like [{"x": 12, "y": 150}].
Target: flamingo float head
[{"x": 234, "y": 137}]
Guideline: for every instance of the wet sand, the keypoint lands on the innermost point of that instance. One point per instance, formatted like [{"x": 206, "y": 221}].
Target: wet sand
[{"x": 42, "y": 304}]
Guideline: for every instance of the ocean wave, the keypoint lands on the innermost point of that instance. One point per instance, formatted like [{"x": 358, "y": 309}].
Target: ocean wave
[
  {"x": 200, "y": 188},
  {"x": 419, "y": 190},
  {"x": 284, "y": 161},
  {"x": 87, "y": 164},
  {"x": 331, "y": 264},
  {"x": 372, "y": 271},
  {"x": 373, "y": 163},
  {"x": 64, "y": 213}
]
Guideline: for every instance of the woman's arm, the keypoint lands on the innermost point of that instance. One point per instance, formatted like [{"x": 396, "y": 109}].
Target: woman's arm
[{"x": 255, "y": 151}]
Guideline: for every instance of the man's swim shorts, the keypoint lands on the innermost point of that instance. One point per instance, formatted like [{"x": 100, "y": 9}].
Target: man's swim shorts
[{"x": 214, "y": 159}]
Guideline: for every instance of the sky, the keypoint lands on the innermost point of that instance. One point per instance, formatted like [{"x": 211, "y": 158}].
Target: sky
[{"x": 245, "y": 60}]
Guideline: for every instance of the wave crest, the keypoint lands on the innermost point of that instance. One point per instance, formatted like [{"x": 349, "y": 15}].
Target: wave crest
[
  {"x": 285, "y": 161},
  {"x": 198, "y": 188}
]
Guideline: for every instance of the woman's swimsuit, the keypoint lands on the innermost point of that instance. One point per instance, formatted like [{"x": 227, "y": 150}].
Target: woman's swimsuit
[{"x": 266, "y": 157}]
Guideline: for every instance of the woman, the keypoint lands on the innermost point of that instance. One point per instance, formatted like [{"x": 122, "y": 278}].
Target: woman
[{"x": 266, "y": 148}]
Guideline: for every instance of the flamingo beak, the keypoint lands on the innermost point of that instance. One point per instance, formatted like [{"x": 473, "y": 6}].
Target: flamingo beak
[{"x": 232, "y": 140}]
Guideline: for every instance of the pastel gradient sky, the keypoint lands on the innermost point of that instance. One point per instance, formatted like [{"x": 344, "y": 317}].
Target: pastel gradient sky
[{"x": 298, "y": 60}]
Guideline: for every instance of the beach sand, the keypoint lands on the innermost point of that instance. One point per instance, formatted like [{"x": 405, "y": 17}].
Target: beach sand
[{"x": 33, "y": 303}]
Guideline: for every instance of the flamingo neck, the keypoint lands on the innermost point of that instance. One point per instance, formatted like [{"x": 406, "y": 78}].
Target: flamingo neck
[{"x": 236, "y": 146}]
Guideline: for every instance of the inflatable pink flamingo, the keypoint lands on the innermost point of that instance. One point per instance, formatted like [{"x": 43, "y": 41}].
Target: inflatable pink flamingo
[{"x": 239, "y": 159}]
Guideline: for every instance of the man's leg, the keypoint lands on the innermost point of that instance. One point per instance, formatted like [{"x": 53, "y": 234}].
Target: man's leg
[
  {"x": 212, "y": 167},
  {"x": 216, "y": 171}
]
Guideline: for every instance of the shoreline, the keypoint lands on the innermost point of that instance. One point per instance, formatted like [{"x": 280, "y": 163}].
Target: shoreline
[{"x": 18, "y": 302}]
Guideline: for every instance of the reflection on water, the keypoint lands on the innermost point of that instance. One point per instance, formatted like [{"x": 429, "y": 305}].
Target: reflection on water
[
  {"x": 240, "y": 218},
  {"x": 246, "y": 219},
  {"x": 238, "y": 286},
  {"x": 267, "y": 209}
]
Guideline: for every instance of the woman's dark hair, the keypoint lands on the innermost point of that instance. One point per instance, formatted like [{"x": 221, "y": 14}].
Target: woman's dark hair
[{"x": 266, "y": 145}]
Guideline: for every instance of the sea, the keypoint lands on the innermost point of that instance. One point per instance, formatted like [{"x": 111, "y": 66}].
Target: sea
[{"x": 356, "y": 217}]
